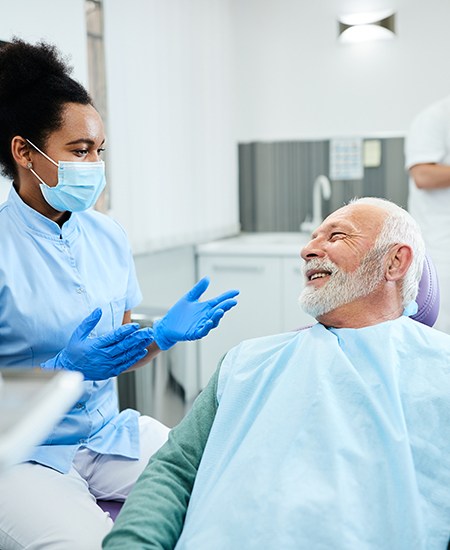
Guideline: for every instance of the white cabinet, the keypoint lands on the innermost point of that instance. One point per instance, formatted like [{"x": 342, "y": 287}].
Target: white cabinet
[
  {"x": 269, "y": 276},
  {"x": 258, "y": 312},
  {"x": 292, "y": 283}
]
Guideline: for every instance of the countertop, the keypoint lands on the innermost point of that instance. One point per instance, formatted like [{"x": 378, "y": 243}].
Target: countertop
[{"x": 256, "y": 244}]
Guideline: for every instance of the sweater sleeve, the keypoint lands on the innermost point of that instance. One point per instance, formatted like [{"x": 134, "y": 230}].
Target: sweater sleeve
[{"x": 154, "y": 513}]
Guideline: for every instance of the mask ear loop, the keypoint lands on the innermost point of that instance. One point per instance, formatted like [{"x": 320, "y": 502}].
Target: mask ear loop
[
  {"x": 42, "y": 153},
  {"x": 30, "y": 165}
]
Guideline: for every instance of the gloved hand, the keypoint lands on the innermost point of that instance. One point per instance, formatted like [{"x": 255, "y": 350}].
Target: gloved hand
[
  {"x": 104, "y": 356},
  {"x": 190, "y": 319}
]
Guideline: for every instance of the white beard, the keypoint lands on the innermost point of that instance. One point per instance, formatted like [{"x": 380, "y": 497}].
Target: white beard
[{"x": 342, "y": 287}]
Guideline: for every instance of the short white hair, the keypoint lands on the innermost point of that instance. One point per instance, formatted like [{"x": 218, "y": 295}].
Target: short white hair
[{"x": 400, "y": 227}]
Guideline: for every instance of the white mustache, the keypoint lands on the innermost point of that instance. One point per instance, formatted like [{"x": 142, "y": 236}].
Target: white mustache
[{"x": 318, "y": 264}]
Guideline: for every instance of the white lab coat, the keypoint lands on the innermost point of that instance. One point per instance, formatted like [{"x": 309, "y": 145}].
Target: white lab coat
[{"x": 428, "y": 141}]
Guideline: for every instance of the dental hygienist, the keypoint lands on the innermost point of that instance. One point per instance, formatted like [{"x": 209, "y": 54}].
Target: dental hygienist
[{"x": 67, "y": 287}]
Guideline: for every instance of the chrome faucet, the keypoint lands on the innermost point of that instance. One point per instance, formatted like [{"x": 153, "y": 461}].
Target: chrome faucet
[{"x": 321, "y": 188}]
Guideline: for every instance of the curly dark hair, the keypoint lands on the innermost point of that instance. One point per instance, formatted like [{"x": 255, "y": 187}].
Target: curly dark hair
[{"x": 34, "y": 87}]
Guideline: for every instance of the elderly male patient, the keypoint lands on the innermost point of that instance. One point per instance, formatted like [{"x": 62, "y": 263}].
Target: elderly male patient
[{"x": 336, "y": 436}]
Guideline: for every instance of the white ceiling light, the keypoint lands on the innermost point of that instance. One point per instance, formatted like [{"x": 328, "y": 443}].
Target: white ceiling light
[{"x": 362, "y": 27}]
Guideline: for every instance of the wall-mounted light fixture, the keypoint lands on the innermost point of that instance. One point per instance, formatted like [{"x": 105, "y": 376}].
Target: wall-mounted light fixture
[{"x": 361, "y": 27}]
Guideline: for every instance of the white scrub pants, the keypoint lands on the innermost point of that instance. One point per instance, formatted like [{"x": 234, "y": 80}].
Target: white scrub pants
[{"x": 41, "y": 508}]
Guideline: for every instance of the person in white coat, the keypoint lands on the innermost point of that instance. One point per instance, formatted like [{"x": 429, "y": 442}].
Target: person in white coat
[{"x": 427, "y": 153}]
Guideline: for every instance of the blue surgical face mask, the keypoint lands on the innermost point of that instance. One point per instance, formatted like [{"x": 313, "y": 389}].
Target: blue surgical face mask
[{"x": 79, "y": 184}]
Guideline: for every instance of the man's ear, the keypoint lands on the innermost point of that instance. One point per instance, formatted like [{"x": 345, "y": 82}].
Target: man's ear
[{"x": 399, "y": 260}]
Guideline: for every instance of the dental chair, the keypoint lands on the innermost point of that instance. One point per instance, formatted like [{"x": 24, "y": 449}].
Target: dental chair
[
  {"x": 113, "y": 507},
  {"x": 428, "y": 308},
  {"x": 428, "y": 295}
]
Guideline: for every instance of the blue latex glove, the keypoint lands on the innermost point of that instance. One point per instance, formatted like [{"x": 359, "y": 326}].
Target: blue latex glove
[
  {"x": 190, "y": 319},
  {"x": 104, "y": 356}
]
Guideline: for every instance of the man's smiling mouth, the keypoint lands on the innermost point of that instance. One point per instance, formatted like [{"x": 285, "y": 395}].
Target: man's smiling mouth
[{"x": 313, "y": 275}]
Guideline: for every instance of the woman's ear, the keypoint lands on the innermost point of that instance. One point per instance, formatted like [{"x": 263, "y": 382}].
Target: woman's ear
[
  {"x": 21, "y": 151},
  {"x": 399, "y": 260}
]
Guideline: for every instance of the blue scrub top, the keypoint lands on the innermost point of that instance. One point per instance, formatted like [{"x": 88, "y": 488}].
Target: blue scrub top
[{"x": 52, "y": 277}]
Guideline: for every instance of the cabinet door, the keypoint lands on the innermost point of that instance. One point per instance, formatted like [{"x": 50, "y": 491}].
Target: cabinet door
[
  {"x": 292, "y": 284},
  {"x": 258, "y": 312}
]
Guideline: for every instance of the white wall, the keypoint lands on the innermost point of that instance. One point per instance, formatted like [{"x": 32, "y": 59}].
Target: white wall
[
  {"x": 56, "y": 21},
  {"x": 173, "y": 155},
  {"x": 188, "y": 79},
  {"x": 295, "y": 80},
  {"x": 61, "y": 23}
]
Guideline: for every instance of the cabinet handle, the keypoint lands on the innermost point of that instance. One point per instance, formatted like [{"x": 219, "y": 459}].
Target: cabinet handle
[{"x": 242, "y": 268}]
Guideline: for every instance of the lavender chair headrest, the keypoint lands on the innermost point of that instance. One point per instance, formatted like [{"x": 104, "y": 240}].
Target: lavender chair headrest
[
  {"x": 113, "y": 507},
  {"x": 428, "y": 296}
]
